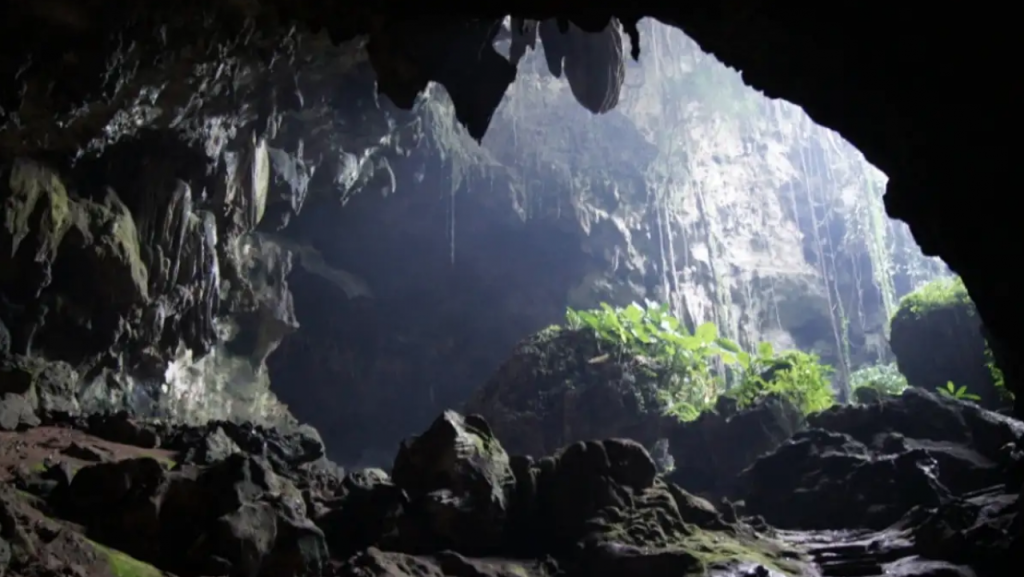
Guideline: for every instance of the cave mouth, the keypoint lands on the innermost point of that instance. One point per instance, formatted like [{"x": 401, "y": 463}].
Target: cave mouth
[{"x": 695, "y": 190}]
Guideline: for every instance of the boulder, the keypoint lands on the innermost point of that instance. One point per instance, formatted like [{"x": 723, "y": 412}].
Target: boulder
[
  {"x": 937, "y": 338},
  {"x": 559, "y": 387},
  {"x": 234, "y": 518},
  {"x": 45, "y": 385},
  {"x": 362, "y": 512},
  {"x": 458, "y": 480},
  {"x": 710, "y": 452}
]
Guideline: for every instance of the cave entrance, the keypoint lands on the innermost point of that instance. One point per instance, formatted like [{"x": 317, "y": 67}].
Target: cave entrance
[{"x": 696, "y": 190}]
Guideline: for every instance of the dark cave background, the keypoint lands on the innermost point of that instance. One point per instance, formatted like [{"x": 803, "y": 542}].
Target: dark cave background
[{"x": 368, "y": 372}]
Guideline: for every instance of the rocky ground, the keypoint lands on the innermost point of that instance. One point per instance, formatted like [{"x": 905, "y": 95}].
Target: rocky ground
[{"x": 916, "y": 486}]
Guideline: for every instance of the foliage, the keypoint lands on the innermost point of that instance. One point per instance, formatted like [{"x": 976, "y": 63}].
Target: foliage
[
  {"x": 951, "y": 391},
  {"x": 939, "y": 293},
  {"x": 997, "y": 374},
  {"x": 651, "y": 331},
  {"x": 796, "y": 375},
  {"x": 695, "y": 364},
  {"x": 885, "y": 379}
]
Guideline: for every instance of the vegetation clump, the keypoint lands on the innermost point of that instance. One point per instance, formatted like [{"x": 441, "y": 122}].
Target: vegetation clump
[
  {"x": 937, "y": 339},
  {"x": 941, "y": 293},
  {"x": 883, "y": 380},
  {"x": 697, "y": 368}
]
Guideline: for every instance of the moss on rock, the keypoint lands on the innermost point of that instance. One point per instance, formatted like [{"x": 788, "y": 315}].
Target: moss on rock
[
  {"x": 743, "y": 546},
  {"x": 937, "y": 338},
  {"x": 123, "y": 565},
  {"x": 563, "y": 385}
]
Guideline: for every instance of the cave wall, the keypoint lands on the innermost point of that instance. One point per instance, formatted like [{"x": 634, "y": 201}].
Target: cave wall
[{"x": 132, "y": 178}]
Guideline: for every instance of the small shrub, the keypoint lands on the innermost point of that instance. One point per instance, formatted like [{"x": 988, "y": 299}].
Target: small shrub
[
  {"x": 691, "y": 384},
  {"x": 951, "y": 391},
  {"x": 797, "y": 376},
  {"x": 693, "y": 366},
  {"x": 884, "y": 379}
]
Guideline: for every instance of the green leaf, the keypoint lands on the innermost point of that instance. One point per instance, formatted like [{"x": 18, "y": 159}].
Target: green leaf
[
  {"x": 727, "y": 357},
  {"x": 633, "y": 313},
  {"x": 706, "y": 332},
  {"x": 765, "y": 350},
  {"x": 744, "y": 359},
  {"x": 961, "y": 391},
  {"x": 728, "y": 345},
  {"x": 970, "y": 397}
]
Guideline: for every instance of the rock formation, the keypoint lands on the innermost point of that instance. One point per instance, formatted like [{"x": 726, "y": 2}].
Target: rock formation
[
  {"x": 107, "y": 494},
  {"x": 937, "y": 338}
]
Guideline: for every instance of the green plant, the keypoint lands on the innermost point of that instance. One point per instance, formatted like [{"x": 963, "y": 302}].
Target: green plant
[
  {"x": 997, "y": 374},
  {"x": 693, "y": 366},
  {"x": 939, "y": 293},
  {"x": 691, "y": 382},
  {"x": 885, "y": 379},
  {"x": 797, "y": 376},
  {"x": 951, "y": 391}
]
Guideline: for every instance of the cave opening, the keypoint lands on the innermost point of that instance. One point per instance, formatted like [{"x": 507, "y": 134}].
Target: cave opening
[{"x": 696, "y": 191}]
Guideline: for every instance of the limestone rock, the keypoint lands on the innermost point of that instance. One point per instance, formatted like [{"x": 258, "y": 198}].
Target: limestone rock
[
  {"x": 458, "y": 479},
  {"x": 47, "y": 386},
  {"x": 944, "y": 343},
  {"x": 915, "y": 450},
  {"x": 559, "y": 387},
  {"x": 710, "y": 452},
  {"x": 236, "y": 517}
]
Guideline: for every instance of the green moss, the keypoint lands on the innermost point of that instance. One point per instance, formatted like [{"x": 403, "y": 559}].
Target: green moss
[
  {"x": 122, "y": 565},
  {"x": 720, "y": 547},
  {"x": 938, "y": 294}
]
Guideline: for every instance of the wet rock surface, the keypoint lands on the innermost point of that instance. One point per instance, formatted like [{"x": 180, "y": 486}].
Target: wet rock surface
[{"x": 868, "y": 466}]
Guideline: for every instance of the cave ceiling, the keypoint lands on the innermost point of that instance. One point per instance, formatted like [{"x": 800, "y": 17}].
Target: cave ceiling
[{"x": 923, "y": 92}]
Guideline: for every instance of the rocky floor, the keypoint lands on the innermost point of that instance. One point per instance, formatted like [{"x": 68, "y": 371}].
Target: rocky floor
[{"x": 108, "y": 496}]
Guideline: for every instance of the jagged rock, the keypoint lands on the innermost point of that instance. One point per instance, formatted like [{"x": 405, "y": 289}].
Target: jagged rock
[
  {"x": 925, "y": 416},
  {"x": 917, "y": 449},
  {"x": 16, "y": 412},
  {"x": 121, "y": 428},
  {"x": 363, "y": 511},
  {"x": 284, "y": 450},
  {"x": 236, "y": 517},
  {"x": 72, "y": 263},
  {"x": 458, "y": 479},
  {"x": 877, "y": 489},
  {"x": 373, "y": 562},
  {"x": 981, "y": 531},
  {"x": 46, "y": 385},
  {"x": 558, "y": 388},
  {"x": 710, "y": 452}
]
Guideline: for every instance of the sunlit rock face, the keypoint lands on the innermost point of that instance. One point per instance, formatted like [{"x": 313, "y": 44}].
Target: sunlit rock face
[{"x": 734, "y": 208}]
